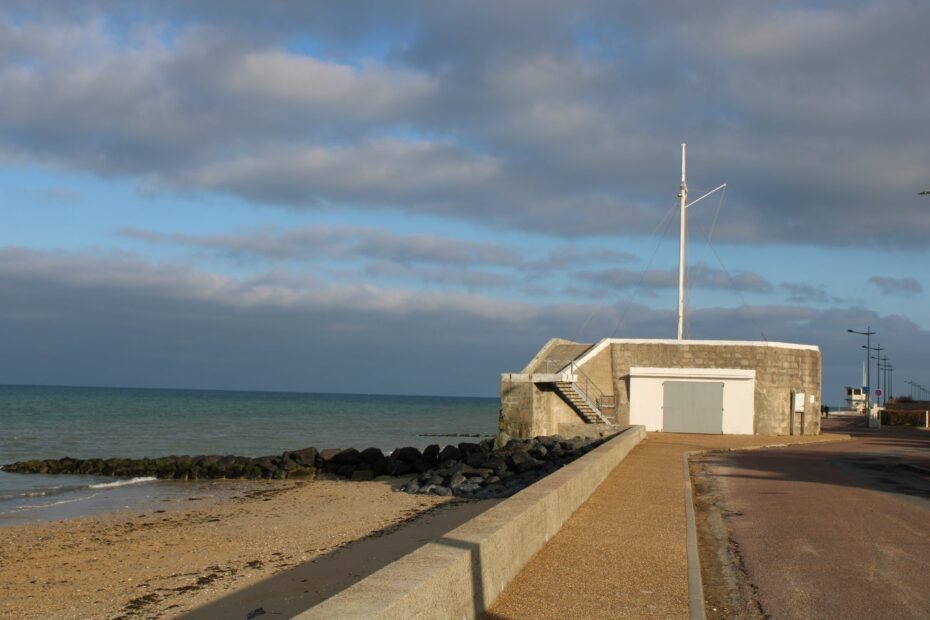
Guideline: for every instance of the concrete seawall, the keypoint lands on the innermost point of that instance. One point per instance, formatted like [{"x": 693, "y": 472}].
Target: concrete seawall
[{"x": 460, "y": 575}]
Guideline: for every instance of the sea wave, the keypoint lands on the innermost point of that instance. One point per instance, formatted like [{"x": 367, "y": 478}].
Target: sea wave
[
  {"x": 40, "y": 492},
  {"x": 122, "y": 483},
  {"x": 21, "y": 508},
  {"x": 17, "y": 494}
]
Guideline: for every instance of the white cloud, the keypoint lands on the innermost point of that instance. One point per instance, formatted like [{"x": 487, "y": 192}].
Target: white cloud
[{"x": 569, "y": 124}]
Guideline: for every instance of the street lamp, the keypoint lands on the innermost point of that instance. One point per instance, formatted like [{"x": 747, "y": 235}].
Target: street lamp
[
  {"x": 878, "y": 372},
  {"x": 881, "y": 367},
  {"x": 890, "y": 384},
  {"x": 868, "y": 333}
]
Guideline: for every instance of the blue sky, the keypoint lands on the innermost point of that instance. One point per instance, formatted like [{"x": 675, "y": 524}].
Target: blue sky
[{"x": 412, "y": 201}]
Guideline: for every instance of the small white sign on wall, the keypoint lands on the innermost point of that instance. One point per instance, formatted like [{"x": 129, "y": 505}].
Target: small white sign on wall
[{"x": 799, "y": 402}]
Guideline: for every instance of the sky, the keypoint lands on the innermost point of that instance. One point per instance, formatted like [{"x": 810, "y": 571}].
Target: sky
[{"x": 412, "y": 197}]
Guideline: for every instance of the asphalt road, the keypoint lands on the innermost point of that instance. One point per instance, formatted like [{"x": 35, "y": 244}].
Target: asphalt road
[{"x": 834, "y": 530}]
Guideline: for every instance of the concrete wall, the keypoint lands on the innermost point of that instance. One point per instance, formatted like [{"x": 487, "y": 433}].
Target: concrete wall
[
  {"x": 461, "y": 574},
  {"x": 780, "y": 370},
  {"x": 647, "y": 394},
  {"x": 532, "y": 410}
]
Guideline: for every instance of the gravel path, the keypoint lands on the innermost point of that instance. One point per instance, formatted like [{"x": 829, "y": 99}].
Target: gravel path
[{"x": 622, "y": 554}]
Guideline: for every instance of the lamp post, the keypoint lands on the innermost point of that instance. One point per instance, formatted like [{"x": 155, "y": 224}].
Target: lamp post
[
  {"x": 868, "y": 333},
  {"x": 881, "y": 367},
  {"x": 890, "y": 385},
  {"x": 878, "y": 350}
]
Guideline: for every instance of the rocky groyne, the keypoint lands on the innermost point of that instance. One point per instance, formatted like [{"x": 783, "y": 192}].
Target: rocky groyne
[{"x": 495, "y": 467}]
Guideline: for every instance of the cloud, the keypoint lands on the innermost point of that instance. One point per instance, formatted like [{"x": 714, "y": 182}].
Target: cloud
[
  {"x": 424, "y": 258},
  {"x": 339, "y": 242},
  {"x": 699, "y": 275},
  {"x": 568, "y": 124},
  {"x": 470, "y": 279},
  {"x": 574, "y": 257},
  {"x": 802, "y": 292},
  {"x": 902, "y": 287},
  {"x": 116, "y": 319}
]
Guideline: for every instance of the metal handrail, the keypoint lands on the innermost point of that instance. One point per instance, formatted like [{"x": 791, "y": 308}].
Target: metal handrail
[
  {"x": 586, "y": 385},
  {"x": 588, "y": 388}
]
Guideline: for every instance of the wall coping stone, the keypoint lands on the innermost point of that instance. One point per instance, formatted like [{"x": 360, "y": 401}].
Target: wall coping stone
[{"x": 697, "y": 373}]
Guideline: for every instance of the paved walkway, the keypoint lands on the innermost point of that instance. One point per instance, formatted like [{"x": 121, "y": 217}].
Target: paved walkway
[
  {"x": 837, "y": 530},
  {"x": 622, "y": 554}
]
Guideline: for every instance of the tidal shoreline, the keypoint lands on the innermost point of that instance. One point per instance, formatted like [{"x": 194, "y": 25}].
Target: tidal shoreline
[{"x": 168, "y": 561}]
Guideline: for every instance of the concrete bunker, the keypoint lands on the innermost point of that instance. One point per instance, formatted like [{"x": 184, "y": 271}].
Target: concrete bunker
[{"x": 691, "y": 386}]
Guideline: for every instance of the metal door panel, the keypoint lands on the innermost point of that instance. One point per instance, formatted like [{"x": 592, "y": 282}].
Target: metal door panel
[{"x": 692, "y": 407}]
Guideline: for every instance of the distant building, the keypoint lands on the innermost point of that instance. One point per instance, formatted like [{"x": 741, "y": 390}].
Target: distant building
[
  {"x": 855, "y": 399},
  {"x": 689, "y": 386}
]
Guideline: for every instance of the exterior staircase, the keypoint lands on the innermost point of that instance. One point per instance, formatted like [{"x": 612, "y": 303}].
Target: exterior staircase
[
  {"x": 580, "y": 402},
  {"x": 558, "y": 369}
]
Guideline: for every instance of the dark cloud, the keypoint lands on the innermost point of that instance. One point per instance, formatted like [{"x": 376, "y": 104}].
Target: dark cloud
[
  {"x": 529, "y": 116},
  {"x": 897, "y": 286},
  {"x": 115, "y": 319}
]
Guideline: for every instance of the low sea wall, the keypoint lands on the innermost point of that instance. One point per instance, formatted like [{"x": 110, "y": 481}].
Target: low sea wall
[{"x": 460, "y": 574}]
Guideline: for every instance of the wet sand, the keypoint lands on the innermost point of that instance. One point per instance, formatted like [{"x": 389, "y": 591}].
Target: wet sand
[{"x": 193, "y": 553}]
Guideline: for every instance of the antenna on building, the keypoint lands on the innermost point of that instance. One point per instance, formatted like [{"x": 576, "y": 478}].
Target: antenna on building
[{"x": 684, "y": 204}]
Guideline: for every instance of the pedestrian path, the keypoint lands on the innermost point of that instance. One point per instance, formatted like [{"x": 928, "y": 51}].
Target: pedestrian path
[{"x": 623, "y": 553}]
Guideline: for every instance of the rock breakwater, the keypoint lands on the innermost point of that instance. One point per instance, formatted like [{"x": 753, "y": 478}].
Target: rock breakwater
[{"x": 495, "y": 467}]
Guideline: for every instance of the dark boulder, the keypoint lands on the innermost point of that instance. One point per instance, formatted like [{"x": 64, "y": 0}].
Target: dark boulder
[
  {"x": 407, "y": 454},
  {"x": 467, "y": 488},
  {"x": 450, "y": 453},
  {"x": 305, "y": 457},
  {"x": 397, "y": 468},
  {"x": 431, "y": 454},
  {"x": 475, "y": 458},
  {"x": 349, "y": 456},
  {"x": 372, "y": 455},
  {"x": 467, "y": 448},
  {"x": 522, "y": 461},
  {"x": 539, "y": 451},
  {"x": 496, "y": 462},
  {"x": 343, "y": 470},
  {"x": 421, "y": 466},
  {"x": 327, "y": 455},
  {"x": 287, "y": 463}
]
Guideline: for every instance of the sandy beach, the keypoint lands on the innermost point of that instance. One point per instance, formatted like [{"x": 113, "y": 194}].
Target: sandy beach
[{"x": 166, "y": 562}]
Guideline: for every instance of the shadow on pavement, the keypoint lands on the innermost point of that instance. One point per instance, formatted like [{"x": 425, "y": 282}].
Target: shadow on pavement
[{"x": 892, "y": 459}]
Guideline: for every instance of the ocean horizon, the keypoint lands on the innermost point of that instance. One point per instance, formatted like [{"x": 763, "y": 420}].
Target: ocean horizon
[{"x": 51, "y": 422}]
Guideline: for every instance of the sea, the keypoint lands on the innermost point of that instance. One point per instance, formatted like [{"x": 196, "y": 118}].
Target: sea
[{"x": 41, "y": 422}]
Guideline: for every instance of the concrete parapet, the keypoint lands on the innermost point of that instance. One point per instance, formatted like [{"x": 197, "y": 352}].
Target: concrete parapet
[{"x": 460, "y": 575}]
